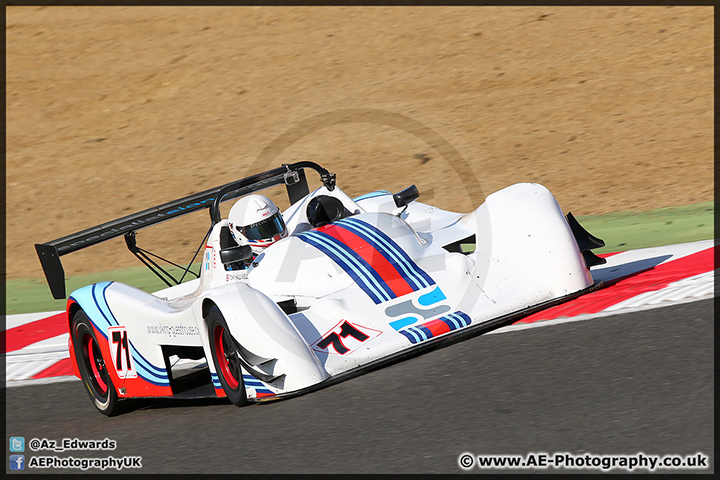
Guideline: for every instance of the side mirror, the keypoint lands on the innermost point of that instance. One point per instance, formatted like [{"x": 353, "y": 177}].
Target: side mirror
[
  {"x": 405, "y": 197},
  {"x": 238, "y": 253}
]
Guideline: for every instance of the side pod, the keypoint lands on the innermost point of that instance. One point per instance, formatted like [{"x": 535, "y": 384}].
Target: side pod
[{"x": 268, "y": 341}]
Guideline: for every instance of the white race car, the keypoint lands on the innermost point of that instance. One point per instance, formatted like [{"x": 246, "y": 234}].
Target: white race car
[{"x": 356, "y": 284}]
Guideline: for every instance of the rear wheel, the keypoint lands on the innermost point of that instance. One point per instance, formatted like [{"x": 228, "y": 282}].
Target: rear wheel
[
  {"x": 225, "y": 357},
  {"x": 91, "y": 365}
]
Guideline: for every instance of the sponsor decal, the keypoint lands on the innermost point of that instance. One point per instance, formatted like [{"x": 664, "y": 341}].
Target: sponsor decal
[
  {"x": 173, "y": 330},
  {"x": 259, "y": 387}
]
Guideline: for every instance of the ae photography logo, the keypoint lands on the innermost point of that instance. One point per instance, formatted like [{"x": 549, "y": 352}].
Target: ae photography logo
[
  {"x": 23, "y": 462},
  {"x": 584, "y": 461}
]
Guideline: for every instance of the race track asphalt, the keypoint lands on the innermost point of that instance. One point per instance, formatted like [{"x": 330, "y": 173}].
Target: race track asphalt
[{"x": 639, "y": 382}]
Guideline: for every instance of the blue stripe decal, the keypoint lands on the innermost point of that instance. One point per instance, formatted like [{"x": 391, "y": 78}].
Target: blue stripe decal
[
  {"x": 345, "y": 260},
  {"x": 215, "y": 380},
  {"x": 363, "y": 275},
  {"x": 86, "y": 299},
  {"x": 253, "y": 382},
  {"x": 148, "y": 371},
  {"x": 452, "y": 323},
  {"x": 152, "y": 369},
  {"x": 102, "y": 304},
  {"x": 435, "y": 296},
  {"x": 403, "y": 322},
  {"x": 159, "y": 383},
  {"x": 416, "y": 335},
  {"x": 463, "y": 318},
  {"x": 98, "y": 313},
  {"x": 409, "y": 336},
  {"x": 389, "y": 249},
  {"x": 386, "y": 251},
  {"x": 427, "y": 334},
  {"x": 158, "y": 371},
  {"x": 420, "y": 333},
  {"x": 378, "y": 193},
  {"x": 413, "y": 335},
  {"x": 373, "y": 276}
]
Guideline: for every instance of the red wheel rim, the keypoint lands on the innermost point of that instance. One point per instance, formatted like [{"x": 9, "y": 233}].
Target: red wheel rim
[
  {"x": 92, "y": 355},
  {"x": 219, "y": 338}
]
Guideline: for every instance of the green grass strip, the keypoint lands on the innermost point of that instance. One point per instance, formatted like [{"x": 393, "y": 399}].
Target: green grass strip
[
  {"x": 33, "y": 295},
  {"x": 665, "y": 226}
]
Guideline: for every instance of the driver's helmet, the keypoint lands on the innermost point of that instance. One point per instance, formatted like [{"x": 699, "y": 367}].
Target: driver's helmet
[{"x": 256, "y": 221}]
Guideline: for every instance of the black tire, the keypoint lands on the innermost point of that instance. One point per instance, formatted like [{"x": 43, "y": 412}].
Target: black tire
[
  {"x": 224, "y": 355},
  {"x": 92, "y": 368}
]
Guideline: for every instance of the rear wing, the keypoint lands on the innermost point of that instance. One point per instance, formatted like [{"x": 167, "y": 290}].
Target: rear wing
[{"x": 292, "y": 175}]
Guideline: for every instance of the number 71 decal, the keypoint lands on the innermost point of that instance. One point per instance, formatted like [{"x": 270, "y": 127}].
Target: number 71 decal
[
  {"x": 120, "y": 351},
  {"x": 344, "y": 338}
]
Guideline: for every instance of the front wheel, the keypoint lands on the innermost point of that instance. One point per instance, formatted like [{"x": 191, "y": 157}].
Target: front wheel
[
  {"x": 91, "y": 365},
  {"x": 225, "y": 357}
]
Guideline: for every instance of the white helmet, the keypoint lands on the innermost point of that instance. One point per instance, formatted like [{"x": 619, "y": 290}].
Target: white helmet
[{"x": 256, "y": 221}]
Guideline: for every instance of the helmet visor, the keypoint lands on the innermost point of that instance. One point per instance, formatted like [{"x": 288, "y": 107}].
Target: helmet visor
[{"x": 264, "y": 229}]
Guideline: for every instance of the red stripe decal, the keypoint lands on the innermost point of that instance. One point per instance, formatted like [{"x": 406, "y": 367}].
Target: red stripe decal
[
  {"x": 33, "y": 332},
  {"x": 437, "y": 327},
  {"x": 649, "y": 281},
  {"x": 375, "y": 259},
  {"x": 63, "y": 367}
]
